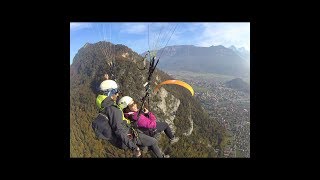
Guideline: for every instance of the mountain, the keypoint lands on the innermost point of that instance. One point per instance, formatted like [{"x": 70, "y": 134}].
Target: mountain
[
  {"x": 213, "y": 59},
  {"x": 200, "y": 135},
  {"x": 242, "y": 52},
  {"x": 238, "y": 84}
]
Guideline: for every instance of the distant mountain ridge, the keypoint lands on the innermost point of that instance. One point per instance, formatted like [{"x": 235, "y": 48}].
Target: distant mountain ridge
[
  {"x": 213, "y": 59},
  {"x": 242, "y": 52}
]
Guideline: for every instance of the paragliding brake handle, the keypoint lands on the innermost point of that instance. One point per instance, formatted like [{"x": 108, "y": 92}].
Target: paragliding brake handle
[{"x": 147, "y": 86}]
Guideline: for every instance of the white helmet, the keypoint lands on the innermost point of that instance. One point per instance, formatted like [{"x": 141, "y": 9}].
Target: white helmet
[
  {"x": 108, "y": 84},
  {"x": 125, "y": 101},
  {"x": 109, "y": 87}
]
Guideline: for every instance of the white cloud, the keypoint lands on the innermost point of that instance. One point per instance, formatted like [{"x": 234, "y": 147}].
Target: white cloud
[
  {"x": 78, "y": 26},
  {"x": 142, "y": 28},
  {"x": 151, "y": 35},
  {"x": 162, "y": 33},
  {"x": 226, "y": 34},
  {"x": 134, "y": 28}
]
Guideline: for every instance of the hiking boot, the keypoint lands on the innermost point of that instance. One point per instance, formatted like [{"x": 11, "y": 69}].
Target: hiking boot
[
  {"x": 174, "y": 140},
  {"x": 165, "y": 156}
]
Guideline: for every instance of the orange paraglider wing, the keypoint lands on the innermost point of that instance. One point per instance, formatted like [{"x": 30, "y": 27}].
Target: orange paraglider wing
[{"x": 177, "y": 82}]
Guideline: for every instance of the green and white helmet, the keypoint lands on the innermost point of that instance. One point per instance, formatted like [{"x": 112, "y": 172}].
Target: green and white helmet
[
  {"x": 109, "y": 87},
  {"x": 125, "y": 101}
]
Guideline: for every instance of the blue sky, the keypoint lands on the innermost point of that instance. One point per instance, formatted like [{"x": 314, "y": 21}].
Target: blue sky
[{"x": 141, "y": 37}]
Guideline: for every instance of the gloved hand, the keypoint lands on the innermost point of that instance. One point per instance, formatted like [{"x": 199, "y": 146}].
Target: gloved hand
[
  {"x": 137, "y": 152},
  {"x": 145, "y": 110}
]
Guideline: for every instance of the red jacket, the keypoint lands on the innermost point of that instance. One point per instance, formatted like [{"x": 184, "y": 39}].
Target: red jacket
[{"x": 146, "y": 120}]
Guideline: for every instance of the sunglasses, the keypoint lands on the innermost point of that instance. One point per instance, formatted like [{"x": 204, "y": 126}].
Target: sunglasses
[{"x": 113, "y": 91}]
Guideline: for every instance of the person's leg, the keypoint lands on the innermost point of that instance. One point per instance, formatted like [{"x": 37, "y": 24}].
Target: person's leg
[
  {"x": 145, "y": 140},
  {"x": 163, "y": 126}
]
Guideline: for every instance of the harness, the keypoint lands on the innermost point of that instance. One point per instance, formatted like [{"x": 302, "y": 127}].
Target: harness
[{"x": 133, "y": 132}]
